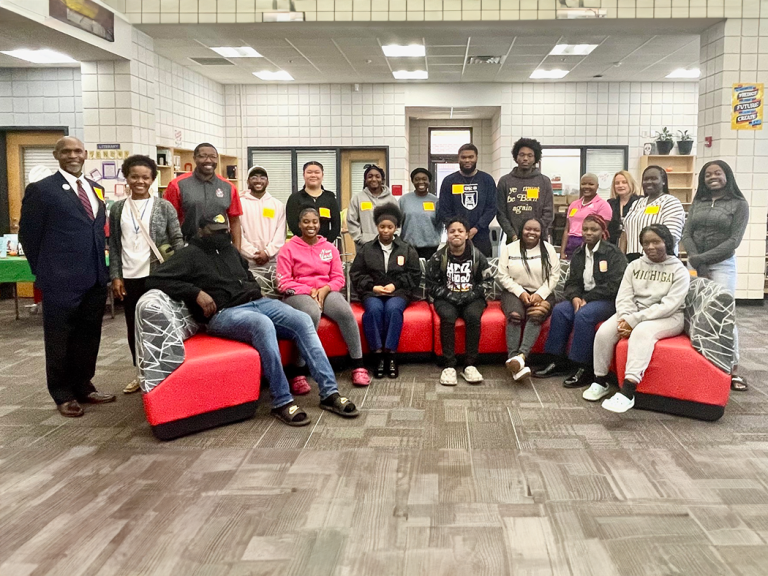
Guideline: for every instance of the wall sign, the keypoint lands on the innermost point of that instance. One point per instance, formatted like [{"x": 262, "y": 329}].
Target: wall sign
[
  {"x": 107, "y": 146},
  {"x": 747, "y": 107},
  {"x": 85, "y": 15},
  {"x": 108, "y": 154}
]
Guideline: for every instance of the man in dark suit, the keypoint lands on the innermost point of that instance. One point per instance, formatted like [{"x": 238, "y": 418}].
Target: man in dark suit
[{"x": 62, "y": 231}]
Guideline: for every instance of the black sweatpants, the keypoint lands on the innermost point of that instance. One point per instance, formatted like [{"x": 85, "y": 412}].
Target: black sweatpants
[{"x": 471, "y": 314}]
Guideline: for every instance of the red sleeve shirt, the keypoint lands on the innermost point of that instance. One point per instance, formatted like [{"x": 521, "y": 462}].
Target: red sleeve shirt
[
  {"x": 173, "y": 196},
  {"x": 235, "y": 208}
]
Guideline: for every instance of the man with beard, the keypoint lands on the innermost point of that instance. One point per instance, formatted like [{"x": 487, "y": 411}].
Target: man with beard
[
  {"x": 470, "y": 194},
  {"x": 263, "y": 220},
  {"x": 203, "y": 193},
  {"x": 525, "y": 192}
]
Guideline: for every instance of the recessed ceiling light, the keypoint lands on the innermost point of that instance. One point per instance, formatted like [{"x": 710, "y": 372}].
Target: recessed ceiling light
[
  {"x": 43, "y": 56},
  {"x": 236, "y": 52},
  {"x": 572, "y": 49},
  {"x": 282, "y": 16},
  {"x": 410, "y": 74},
  {"x": 683, "y": 73},
  {"x": 551, "y": 74},
  {"x": 269, "y": 75},
  {"x": 410, "y": 51}
]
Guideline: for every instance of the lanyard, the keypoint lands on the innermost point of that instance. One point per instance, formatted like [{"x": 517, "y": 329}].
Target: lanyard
[{"x": 143, "y": 211}]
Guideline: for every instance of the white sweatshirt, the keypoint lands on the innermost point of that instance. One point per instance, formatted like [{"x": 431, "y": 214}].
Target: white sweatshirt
[
  {"x": 651, "y": 290},
  {"x": 514, "y": 277}
]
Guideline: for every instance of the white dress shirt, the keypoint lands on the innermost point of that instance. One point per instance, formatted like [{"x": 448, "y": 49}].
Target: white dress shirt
[
  {"x": 589, "y": 267},
  {"x": 387, "y": 253},
  {"x": 72, "y": 181},
  {"x": 136, "y": 252}
]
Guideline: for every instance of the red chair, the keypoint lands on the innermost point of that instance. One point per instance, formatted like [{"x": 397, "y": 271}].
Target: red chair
[
  {"x": 679, "y": 381},
  {"x": 493, "y": 326},
  {"x": 218, "y": 383}
]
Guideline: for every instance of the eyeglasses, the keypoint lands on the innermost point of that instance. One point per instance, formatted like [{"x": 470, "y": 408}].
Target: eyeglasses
[{"x": 207, "y": 156}]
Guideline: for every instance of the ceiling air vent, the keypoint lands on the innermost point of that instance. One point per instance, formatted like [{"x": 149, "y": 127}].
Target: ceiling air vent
[
  {"x": 484, "y": 60},
  {"x": 212, "y": 61}
]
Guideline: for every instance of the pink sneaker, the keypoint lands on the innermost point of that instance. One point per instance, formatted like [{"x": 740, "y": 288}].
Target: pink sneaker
[
  {"x": 300, "y": 386},
  {"x": 360, "y": 377}
]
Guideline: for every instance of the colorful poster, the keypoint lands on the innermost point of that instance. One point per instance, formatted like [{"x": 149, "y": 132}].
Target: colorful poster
[{"x": 747, "y": 107}]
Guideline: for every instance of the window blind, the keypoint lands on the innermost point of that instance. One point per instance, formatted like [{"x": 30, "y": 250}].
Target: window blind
[
  {"x": 277, "y": 163},
  {"x": 33, "y": 156}
]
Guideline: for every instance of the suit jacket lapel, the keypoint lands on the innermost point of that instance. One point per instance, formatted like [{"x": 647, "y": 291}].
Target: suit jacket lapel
[
  {"x": 71, "y": 196},
  {"x": 99, "y": 191}
]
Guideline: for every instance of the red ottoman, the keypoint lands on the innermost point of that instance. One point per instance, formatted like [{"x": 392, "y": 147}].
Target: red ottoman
[
  {"x": 679, "y": 381},
  {"x": 492, "y": 332},
  {"x": 218, "y": 383},
  {"x": 416, "y": 337}
]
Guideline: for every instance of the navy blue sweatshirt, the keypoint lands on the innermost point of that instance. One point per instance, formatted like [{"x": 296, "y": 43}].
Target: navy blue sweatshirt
[{"x": 471, "y": 197}]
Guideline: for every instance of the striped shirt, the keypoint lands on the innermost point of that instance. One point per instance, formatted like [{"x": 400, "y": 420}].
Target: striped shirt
[{"x": 666, "y": 210}]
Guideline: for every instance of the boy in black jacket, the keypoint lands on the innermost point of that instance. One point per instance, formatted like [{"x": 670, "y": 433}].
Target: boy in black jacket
[
  {"x": 458, "y": 278},
  {"x": 594, "y": 276},
  {"x": 213, "y": 280}
]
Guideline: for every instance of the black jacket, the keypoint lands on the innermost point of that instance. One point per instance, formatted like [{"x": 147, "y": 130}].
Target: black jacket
[
  {"x": 64, "y": 247},
  {"x": 615, "y": 226},
  {"x": 222, "y": 274},
  {"x": 437, "y": 283},
  {"x": 330, "y": 222},
  {"x": 607, "y": 281},
  {"x": 404, "y": 270}
]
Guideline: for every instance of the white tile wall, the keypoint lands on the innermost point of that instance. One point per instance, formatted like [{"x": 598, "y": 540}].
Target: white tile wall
[
  {"x": 418, "y": 144},
  {"x": 41, "y": 97}
]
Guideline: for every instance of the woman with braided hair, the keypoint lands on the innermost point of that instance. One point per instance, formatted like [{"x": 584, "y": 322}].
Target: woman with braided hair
[
  {"x": 649, "y": 307},
  {"x": 594, "y": 276}
]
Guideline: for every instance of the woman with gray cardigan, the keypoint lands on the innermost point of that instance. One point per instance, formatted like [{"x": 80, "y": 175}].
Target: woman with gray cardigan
[
  {"x": 717, "y": 220},
  {"x": 131, "y": 257}
]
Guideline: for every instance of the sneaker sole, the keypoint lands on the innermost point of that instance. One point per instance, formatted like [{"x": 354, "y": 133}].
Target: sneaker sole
[
  {"x": 522, "y": 374},
  {"x": 610, "y": 409},
  {"x": 468, "y": 381},
  {"x": 607, "y": 393},
  {"x": 442, "y": 383}
]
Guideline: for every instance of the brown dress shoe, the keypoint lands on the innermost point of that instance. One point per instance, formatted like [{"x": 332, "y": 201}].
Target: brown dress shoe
[
  {"x": 71, "y": 409},
  {"x": 98, "y": 398}
]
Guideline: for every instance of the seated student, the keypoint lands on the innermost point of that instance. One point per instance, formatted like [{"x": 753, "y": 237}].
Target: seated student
[
  {"x": 529, "y": 271},
  {"x": 213, "y": 280},
  {"x": 262, "y": 222},
  {"x": 310, "y": 274},
  {"x": 649, "y": 307},
  {"x": 385, "y": 273},
  {"x": 458, "y": 278},
  {"x": 375, "y": 193},
  {"x": 595, "y": 273},
  {"x": 421, "y": 228}
]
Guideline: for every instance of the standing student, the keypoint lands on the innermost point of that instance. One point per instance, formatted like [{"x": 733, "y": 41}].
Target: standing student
[
  {"x": 529, "y": 270},
  {"x": 386, "y": 272},
  {"x": 717, "y": 220},
  {"x": 202, "y": 192},
  {"x": 62, "y": 231},
  {"x": 588, "y": 203},
  {"x": 421, "y": 227},
  {"x": 525, "y": 192},
  {"x": 263, "y": 220},
  {"x": 375, "y": 193},
  {"x": 458, "y": 278},
  {"x": 649, "y": 307},
  {"x": 140, "y": 226},
  {"x": 310, "y": 274},
  {"x": 623, "y": 197},
  {"x": 471, "y": 195},
  {"x": 658, "y": 206},
  {"x": 313, "y": 194},
  {"x": 594, "y": 276}
]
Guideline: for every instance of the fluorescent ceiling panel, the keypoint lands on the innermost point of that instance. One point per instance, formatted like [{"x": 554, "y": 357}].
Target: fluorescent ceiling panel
[
  {"x": 572, "y": 49},
  {"x": 410, "y": 51},
  {"x": 236, "y": 52},
  {"x": 43, "y": 56},
  {"x": 550, "y": 74},
  {"x": 410, "y": 74},
  {"x": 269, "y": 75}
]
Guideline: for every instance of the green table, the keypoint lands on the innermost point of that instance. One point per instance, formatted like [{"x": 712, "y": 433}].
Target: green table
[{"x": 15, "y": 269}]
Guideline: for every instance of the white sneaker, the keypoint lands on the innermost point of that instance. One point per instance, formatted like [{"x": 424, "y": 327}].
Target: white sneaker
[
  {"x": 448, "y": 377},
  {"x": 595, "y": 392},
  {"x": 618, "y": 403},
  {"x": 472, "y": 375},
  {"x": 515, "y": 364},
  {"x": 523, "y": 375}
]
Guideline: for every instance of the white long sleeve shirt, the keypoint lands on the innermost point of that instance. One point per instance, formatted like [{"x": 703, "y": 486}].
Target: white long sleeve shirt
[{"x": 515, "y": 278}]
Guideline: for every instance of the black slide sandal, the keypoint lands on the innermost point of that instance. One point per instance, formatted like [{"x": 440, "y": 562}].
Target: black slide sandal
[
  {"x": 290, "y": 414},
  {"x": 340, "y": 405}
]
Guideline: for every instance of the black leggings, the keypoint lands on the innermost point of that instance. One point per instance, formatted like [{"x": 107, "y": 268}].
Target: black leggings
[
  {"x": 449, "y": 313},
  {"x": 135, "y": 288}
]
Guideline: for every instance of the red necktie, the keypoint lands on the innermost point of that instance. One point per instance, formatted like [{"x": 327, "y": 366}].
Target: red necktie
[{"x": 84, "y": 200}]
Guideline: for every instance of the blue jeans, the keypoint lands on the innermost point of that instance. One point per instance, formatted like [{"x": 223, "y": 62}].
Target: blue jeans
[
  {"x": 583, "y": 324},
  {"x": 383, "y": 321},
  {"x": 260, "y": 323},
  {"x": 724, "y": 273}
]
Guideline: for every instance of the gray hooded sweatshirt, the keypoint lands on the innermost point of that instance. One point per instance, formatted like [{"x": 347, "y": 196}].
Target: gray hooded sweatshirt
[
  {"x": 651, "y": 290},
  {"x": 360, "y": 222},
  {"x": 519, "y": 197}
]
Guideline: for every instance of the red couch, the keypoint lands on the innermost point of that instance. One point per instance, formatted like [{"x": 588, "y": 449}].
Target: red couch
[{"x": 218, "y": 383}]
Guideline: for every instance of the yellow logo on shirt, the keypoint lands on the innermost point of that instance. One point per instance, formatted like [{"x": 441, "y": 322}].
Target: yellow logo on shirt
[
  {"x": 652, "y": 210},
  {"x": 603, "y": 266},
  {"x": 366, "y": 206},
  {"x": 572, "y": 212},
  {"x": 325, "y": 212},
  {"x": 429, "y": 206},
  {"x": 268, "y": 212},
  {"x": 532, "y": 193},
  {"x": 99, "y": 192},
  {"x": 457, "y": 189}
]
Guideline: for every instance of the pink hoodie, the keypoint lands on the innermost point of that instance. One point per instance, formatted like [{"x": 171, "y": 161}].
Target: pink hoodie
[{"x": 301, "y": 267}]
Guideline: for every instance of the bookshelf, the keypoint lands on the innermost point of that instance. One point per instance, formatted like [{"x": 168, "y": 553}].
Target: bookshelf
[{"x": 681, "y": 173}]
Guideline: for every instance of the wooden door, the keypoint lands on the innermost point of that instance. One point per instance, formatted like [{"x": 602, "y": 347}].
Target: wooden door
[{"x": 351, "y": 182}]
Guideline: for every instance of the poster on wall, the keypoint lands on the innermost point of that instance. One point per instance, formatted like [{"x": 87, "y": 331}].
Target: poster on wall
[
  {"x": 747, "y": 107},
  {"x": 104, "y": 167},
  {"x": 85, "y": 15}
]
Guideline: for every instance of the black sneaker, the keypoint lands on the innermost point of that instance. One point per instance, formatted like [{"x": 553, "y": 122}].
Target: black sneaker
[
  {"x": 380, "y": 367},
  {"x": 579, "y": 379}
]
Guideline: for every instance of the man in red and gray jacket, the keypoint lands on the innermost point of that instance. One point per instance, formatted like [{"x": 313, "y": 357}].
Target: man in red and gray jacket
[{"x": 202, "y": 193}]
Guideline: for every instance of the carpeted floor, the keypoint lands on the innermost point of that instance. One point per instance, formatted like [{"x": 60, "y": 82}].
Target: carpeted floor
[{"x": 489, "y": 480}]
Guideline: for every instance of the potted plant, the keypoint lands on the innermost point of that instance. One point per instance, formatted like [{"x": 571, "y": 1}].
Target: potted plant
[
  {"x": 664, "y": 141},
  {"x": 685, "y": 144}
]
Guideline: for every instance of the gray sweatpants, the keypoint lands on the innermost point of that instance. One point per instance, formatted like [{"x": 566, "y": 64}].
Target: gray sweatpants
[
  {"x": 337, "y": 309},
  {"x": 641, "y": 343}
]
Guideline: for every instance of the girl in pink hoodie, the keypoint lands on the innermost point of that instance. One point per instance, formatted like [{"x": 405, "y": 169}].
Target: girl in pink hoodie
[{"x": 310, "y": 274}]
